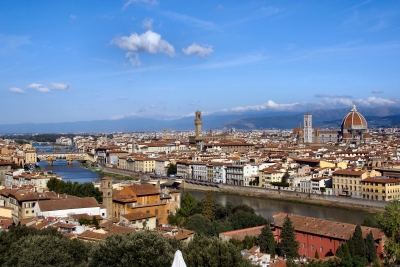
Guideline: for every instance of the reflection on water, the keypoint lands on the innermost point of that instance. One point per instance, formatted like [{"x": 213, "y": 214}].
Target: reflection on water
[
  {"x": 74, "y": 173},
  {"x": 268, "y": 207}
]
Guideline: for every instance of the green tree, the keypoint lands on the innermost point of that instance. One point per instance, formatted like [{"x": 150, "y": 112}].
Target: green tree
[
  {"x": 285, "y": 177},
  {"x": 370, "y": 247},
  {"x": 367, "y": 221},
  {"x": 212, "y": 252},
  {"x": 266, "y": 241},
  {"x": 208, "y": 207},
  {"x": 249, "y": 242},
  {"x": 200, "y": 225},
  {"x": 84, "y": 221},
  {"x": 288, "y": 246},
  {"x": 45, "y": 250},
  {"x": 316, "y": 254},
  {"x": 171, "y": 169},
  {"x": 130, "y": 250},
  {"x": 95, "y": 222},
  {"x": 242, "y": 220},
  {"x": 359, "y": 243},
  {"x": 188, "y": 204},
  {"x": 389, "y": 221}
]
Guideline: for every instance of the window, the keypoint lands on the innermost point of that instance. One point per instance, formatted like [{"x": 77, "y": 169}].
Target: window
[
  {"x": 320, "y": 238},
  {"x": 312, "y": 247},
  {"x": 312, "y": 236},
  {"x": 26, "y": 212},
  {"x": 304, "y": 245},
  {"x": 321, "y": 249}
]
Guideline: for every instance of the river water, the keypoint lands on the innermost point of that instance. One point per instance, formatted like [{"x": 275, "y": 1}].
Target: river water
[{"x": 265, "y": 207}]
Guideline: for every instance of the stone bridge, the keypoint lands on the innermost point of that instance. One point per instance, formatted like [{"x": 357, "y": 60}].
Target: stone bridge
[{"x": 70, "y": 157}]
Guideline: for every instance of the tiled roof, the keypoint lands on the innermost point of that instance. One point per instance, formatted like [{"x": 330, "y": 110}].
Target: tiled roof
[
  {"x": 68, "y": 203},
  {"x": 137, "y": 216},
  {"x": 327, "y": 228}
]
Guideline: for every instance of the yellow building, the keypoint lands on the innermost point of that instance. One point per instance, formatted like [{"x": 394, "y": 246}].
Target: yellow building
[
  {"x": 381, "y": 188},
  {"x": 348, "y": 182},
  {"x": 30, "y": 156},
  {"x": 145, "y": 198},
  {"x": 269, "y": 176}
]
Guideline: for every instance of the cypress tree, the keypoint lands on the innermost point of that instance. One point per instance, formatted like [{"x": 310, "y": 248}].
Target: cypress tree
[
  {"x": 370, "y": 247},
  {"x": 316, "y": 254},
  {"x": 359, "y": 243},
  {"x": 339, "y": 252},
  {"x": 266, "y": 241},
  {"x": 350, "y": 246},
  {"x": 208, "y": 207},
  {"x": 289, "y": 246}
]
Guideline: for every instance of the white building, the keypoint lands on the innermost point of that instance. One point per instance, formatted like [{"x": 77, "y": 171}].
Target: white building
[
  {"x": 200, "y": 171},
  {"x": 68, "y": 206}
]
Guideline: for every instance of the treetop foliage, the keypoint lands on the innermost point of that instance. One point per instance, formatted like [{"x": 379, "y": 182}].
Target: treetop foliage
[
  {"x": 74, "y": 189},
  {"x": 23, "y": 246}
]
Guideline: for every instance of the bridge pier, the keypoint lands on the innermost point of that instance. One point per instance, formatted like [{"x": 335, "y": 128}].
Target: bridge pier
[
  {"x": 70, "y": 162},
  {"x": 50, "y": 162}
]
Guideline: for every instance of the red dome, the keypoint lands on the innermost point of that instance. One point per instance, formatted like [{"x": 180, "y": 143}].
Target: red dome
[
  {"x": 298, "y": 130},
  {"x": 354, "y": 120}
]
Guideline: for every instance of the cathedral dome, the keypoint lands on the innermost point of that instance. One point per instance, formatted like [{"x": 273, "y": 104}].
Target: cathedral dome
[
  {"x": 298, "y": 130},
  {"x": 354, "y": 120}
]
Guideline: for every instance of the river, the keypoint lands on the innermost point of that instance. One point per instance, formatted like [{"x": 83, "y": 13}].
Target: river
[{"x": 265, "y": 207}]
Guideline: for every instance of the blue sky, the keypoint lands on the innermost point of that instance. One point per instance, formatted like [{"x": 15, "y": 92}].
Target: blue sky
[{"x": 88, "y": 60}]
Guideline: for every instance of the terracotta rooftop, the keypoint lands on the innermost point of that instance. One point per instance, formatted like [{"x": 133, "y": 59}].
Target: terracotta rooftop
[
  {"x": 327, "y": 228},
  {"x": 68, "y": 203}
]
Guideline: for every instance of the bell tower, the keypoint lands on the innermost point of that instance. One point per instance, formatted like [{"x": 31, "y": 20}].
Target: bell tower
[
  {"x": 198, "y": 122},
  {"x": 308, "y": 128},
  {"x": 106, "y": 188}
]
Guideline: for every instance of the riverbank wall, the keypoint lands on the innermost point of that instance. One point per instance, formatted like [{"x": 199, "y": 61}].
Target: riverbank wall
[
  {"x": 132, "y": 174},
  {"x": 293, "y": 196}
]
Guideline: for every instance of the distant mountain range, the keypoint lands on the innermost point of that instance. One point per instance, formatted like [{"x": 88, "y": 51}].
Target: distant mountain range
[
  {"x": 322, "y": 118},
  {"x": 329, "y": 118}
]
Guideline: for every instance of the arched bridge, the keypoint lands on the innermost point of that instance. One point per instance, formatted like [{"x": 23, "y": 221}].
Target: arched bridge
[{"x": 70, "y": 157}]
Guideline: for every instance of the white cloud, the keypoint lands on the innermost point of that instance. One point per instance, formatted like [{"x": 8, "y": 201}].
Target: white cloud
[
  {"x": 72, "y": 17},
  {"x": 377, "y": 92},
  {"x": 39, "y": 87},
  {"x": 16, "y": 90},
  {"x": 59, "y": 86},
  {"x": 375, "y": 101},
  {"x": 269, "y": 105},
  {"x": 133, "y": 59},
  {"x": 149, "y": 41},
  {"x": 147, "y": 24},
  {"x": 200, "y": 51},
  {"x": 129, "y": 2}
]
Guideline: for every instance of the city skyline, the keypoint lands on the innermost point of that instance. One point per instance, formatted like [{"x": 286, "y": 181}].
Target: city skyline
[{"x": 73, "y": 61}]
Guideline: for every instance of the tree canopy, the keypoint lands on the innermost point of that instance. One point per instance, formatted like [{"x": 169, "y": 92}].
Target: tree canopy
[{"x": 74, "y": 189}]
